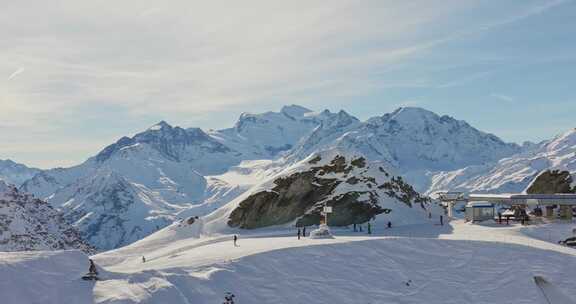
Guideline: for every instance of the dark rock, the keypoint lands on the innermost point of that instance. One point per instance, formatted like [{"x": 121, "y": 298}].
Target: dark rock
[{"x": 550, "y": 182}]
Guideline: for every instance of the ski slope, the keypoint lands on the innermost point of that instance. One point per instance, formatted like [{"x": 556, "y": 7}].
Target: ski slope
[{"x": 426, "y": 263}]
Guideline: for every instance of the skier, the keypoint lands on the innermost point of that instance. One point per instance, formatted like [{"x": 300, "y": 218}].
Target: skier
[
  {"x": 360, "y": 226},
  {"x": 304, "y": 231},
  {"x": 355, "y": 228},
  {"x": 441, "y": 220},
  {"x": 92, "y": 274},
  {"x": 235, "y": 240},
  {"x": 369, "y": 228},
  {"x": 299, "y": 232},
  {"x": 389, "y": 225},
  {"x": 92, "y": 268},
  {"x": 143, "y": 259},
  {"x": 429, "y": 215}
]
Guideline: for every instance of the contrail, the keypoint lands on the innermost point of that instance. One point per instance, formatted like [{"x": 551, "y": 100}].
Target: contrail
[{"x": 18, "y": 71}]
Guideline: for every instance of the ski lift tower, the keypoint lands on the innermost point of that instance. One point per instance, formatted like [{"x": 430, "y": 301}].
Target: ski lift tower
[{"x": 450, "y": 198}]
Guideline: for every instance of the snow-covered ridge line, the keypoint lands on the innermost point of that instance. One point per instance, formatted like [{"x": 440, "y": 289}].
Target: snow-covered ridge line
[
  {"x": 142, "y": 183},
  {"x": 513, "y": 174}
]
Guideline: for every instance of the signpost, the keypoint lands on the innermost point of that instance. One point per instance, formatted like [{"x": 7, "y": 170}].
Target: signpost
[{"x": 325, "y": 211}]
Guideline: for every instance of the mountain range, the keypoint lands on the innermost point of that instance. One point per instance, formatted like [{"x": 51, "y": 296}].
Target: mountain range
[
  {"x": 515, "y": 173},
  {"x": 166, "y": 173}
]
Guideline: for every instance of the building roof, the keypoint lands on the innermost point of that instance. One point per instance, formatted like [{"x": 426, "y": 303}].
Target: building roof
[
  {"x": 480, "y": 205},
  {"x": 510, "y": 198}
]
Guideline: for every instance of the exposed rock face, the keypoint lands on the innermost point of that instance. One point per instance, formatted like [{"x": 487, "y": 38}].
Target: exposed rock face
[
  {"x": 27, "y": 224},
  {"x": 550, "y": 182},
  {"x": 354, "y": 189}
]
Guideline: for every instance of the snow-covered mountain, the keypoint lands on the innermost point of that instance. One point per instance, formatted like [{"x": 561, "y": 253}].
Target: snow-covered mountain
[
  {"x": 266, "y": 135},
  {"x": 414, "y": 141},
  {"x": 514, "y": 173},
  {"x": 142, "y": 183},
  {"x": 357, "y": 189},
  {"x": 27, "y": 223},
  {"x": 15, "y": 173},
  {"x": 148, "y": 180}
]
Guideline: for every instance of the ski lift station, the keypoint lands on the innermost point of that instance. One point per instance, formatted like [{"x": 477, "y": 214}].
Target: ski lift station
[
  {"x": 480, "y": 207},
  {"x": 479, "y": 211}
]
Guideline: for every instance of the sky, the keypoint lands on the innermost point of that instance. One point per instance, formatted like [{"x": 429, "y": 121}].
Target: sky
[{"x": 77, "y": 75}]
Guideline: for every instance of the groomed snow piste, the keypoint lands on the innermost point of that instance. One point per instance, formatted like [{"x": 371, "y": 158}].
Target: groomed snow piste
[{"x": 427, "y": 263}]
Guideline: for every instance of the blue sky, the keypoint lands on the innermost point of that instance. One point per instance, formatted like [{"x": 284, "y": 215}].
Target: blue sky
[{"x": 85, "y": 73}]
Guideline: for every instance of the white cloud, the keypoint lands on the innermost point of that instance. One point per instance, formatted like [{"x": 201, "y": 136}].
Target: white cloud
[
  {"x": 503, "y": 97},
  {"x": 195, "y": 57}
]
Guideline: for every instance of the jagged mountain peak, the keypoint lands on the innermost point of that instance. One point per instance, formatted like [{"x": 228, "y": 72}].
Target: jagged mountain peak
[
  {"x": 295, "y": 111},
  {"x": 412, "y": 112},
  {"x": 166, "y": 139},
  {"x": 15, "y": 173},
  {"x": 414, "y": 117},
  {"x": 160, "y": 125}
]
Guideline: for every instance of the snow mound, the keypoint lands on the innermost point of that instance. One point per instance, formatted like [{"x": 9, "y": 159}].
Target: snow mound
[{"x": 323, "y": 232}]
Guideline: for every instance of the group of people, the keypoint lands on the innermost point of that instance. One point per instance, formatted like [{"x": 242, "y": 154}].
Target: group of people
[
  {"x": 358, "y": 228},
  {"x": 302, "y": 232}
]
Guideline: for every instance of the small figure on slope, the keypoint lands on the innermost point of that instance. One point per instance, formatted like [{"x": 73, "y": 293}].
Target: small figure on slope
[
  {"x": 299, "y": 233},
  {"x": 235, "y": 240},
  {"x": 92, "y": 274},
  {"x": 143, "y": 259},
  {"x": 228, "y": 298}
]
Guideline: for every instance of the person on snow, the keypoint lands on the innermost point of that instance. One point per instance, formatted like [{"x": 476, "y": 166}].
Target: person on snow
[
  {"x": 389, "y": 225},
  {"x": 304, "y": 231},
  {"x": 299, "y": 233},
  {"x": 369, "y": 228},
  {"x": 235, "y": 240},
  {"x": 441, "y": 221},
  {"x": 354, "y": 227},
  {"x": 143, "y": 259},
  {"x": 92, "y": 268}
]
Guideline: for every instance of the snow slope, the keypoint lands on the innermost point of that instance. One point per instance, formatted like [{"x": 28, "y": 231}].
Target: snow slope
[
  {"x": 514, "y": 173},
  {"x": 15, "y": 173},
  {"x": 44, "y": 277},
  {"x": 357, "y": 189},
  {"x": 462, "y": 264}
]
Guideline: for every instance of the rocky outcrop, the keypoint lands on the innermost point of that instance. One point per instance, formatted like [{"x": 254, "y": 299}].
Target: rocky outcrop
[
  {"x": 27, "y": 223},
  {"x": 549, "y": 182},
  {"x": 352, "y": 188}
]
